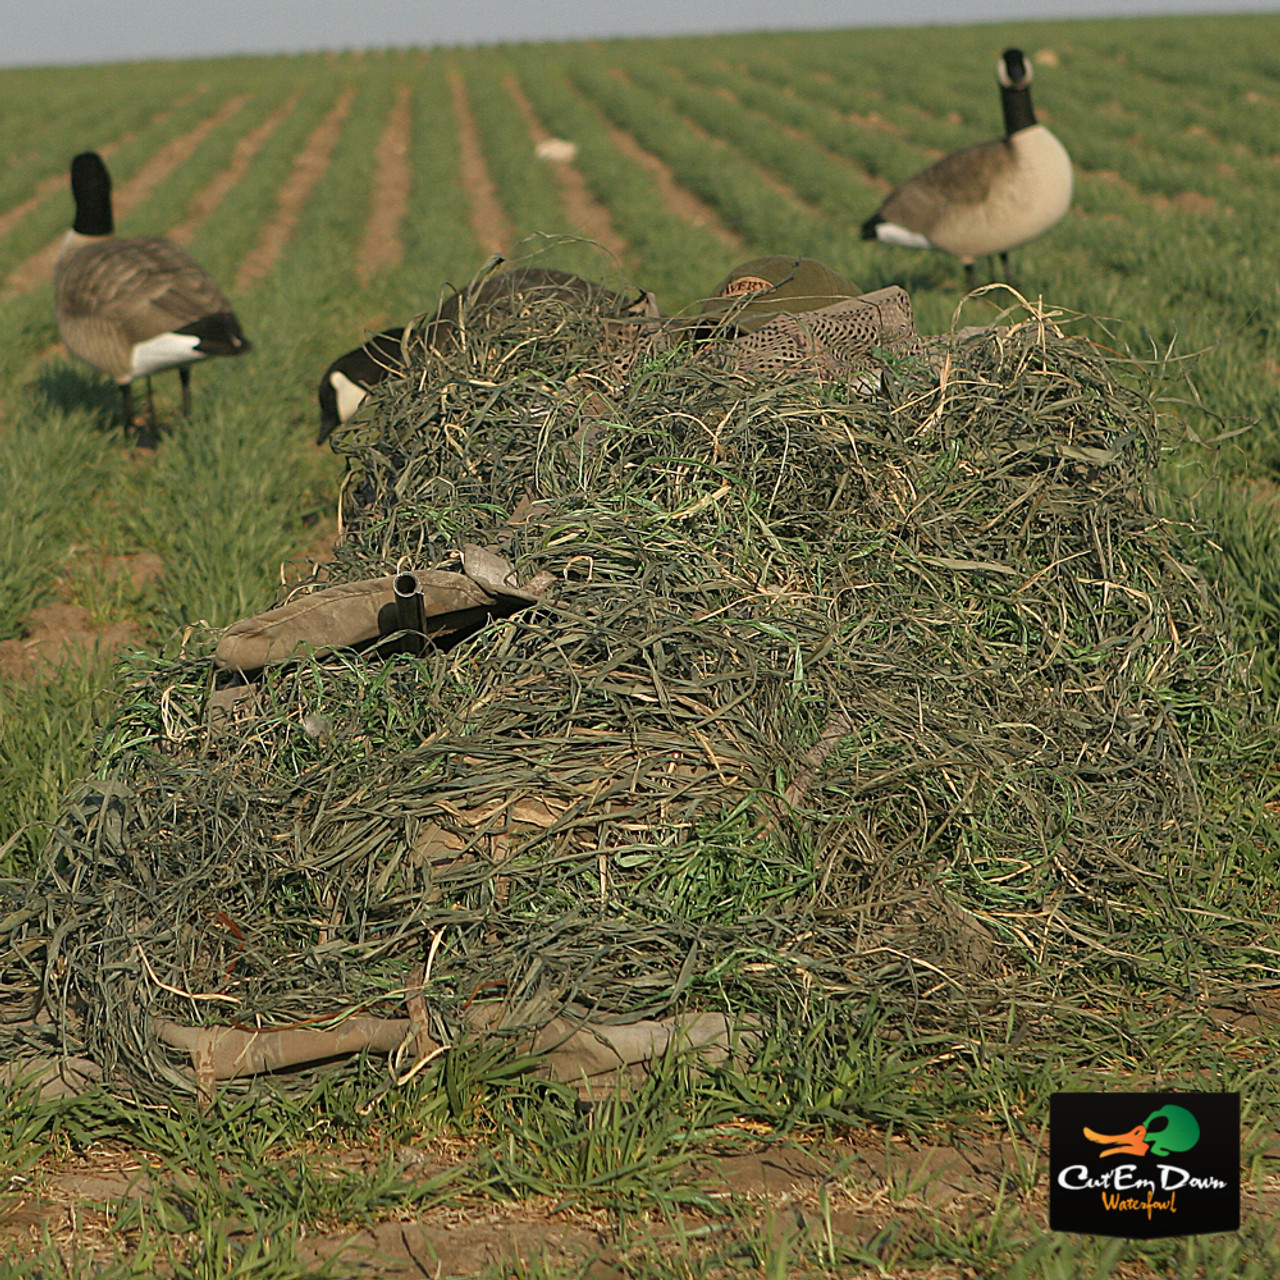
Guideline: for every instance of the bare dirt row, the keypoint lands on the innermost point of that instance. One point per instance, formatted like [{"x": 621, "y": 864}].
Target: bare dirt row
[
  {"x": 489, "y": 221},
  {"x": 308, "y": 169},
  {"x": 380, "y": 249},
  {"x": 582, "y": 210},
  {"x": 766, "y": 177},
  {"x": 679, "y": 200},
  {"x": 221, "y": 185}
]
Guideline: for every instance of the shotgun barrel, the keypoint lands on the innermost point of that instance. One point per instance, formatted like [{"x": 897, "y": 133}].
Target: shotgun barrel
[{"x": 410, "y": 614}]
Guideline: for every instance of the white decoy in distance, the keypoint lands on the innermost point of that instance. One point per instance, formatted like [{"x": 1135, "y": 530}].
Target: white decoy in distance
[
  {"x": 133, "y": 307},
  {"x": 989, "y": 198}
]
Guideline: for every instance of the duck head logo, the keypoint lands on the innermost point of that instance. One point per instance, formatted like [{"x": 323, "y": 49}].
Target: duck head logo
[{"x": 1180, "y": 1131}]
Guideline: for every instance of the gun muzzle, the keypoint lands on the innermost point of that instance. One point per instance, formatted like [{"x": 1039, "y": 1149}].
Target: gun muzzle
[{"x": 410, "y": 614}]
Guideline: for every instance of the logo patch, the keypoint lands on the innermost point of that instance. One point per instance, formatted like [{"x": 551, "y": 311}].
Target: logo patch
[
  {"x": 1144, "y": 1165},
  {"x": 746, "y": 284}
]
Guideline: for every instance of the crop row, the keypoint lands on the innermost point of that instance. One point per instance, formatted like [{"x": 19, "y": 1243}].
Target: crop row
[
  {"x": 787, "y": 143},
  {"x": 721, "y": 124},
  {"x": 1161, "y": 130},
  {"x": 702, "y": 153},
  {"x": 43, "y": 107},
  {"x": 222, "y": 536},
  {"x": 714, "y": 172},
  {"x": 236, "y": 491},
  {"x": 670, "y": 250}
]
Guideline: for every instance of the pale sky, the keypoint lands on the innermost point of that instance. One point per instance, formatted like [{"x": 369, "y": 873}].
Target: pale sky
[{"x": 66, "y": 31}]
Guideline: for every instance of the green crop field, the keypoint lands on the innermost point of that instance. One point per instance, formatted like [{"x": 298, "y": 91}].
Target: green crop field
[{"x": 332, "y": 195}]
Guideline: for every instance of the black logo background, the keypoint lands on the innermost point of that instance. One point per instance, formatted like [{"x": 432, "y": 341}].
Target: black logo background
[{"x": 1215, "y": 1155}]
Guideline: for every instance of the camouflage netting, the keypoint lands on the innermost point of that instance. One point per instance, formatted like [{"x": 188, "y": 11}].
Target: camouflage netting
[{"x": 840, "y": 702}]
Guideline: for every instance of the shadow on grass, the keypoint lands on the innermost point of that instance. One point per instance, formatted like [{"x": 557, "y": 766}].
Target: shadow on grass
[{"x": 67, "y": 388}]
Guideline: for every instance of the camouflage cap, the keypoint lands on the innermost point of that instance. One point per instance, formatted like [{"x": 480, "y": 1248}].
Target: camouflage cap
[{"x": 756, "y": 291}]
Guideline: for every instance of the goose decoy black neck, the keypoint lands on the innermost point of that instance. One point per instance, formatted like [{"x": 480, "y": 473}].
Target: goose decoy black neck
[
  {"x": 91, "y": 189},
  {"x": 1014, "y": 73}
]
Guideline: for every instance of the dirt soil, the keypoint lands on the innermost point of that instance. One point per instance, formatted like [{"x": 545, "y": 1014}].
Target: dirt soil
[
  {"x": 489, "y": 221},
  {"x": 308, "y": 169},
  {"x": 164, "y": 161},
  {"x": 766, "y": 178},
  {"x": 56, "y": 633},
  {"x": 65, "y": 631},
  {"x": 873, "y": 120},
  {"x": 867, "y": 1185},
  {"x": 381, "y": 249},
  {"x": 59, "y": 181},
  {"x": 43, "y": 190},
  {"x": 852, "y": 1192},
  {"x": 1184, "y": 201},
  {"x": 679, "y": 200},
  {"x": 874, "y": 181}
]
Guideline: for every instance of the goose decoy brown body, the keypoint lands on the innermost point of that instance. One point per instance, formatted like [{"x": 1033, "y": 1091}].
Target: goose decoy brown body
[
  {"x": 133, "y": 307},
  {"x": 350, "y": 378},
  {"x": 986, "y": 199}
]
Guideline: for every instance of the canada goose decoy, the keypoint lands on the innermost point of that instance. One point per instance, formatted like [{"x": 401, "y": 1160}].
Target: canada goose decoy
[
  {"x": 350, "y": 378},
  {"x": 989, "y": 198},
  {"x": 137, "y": 306}
]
